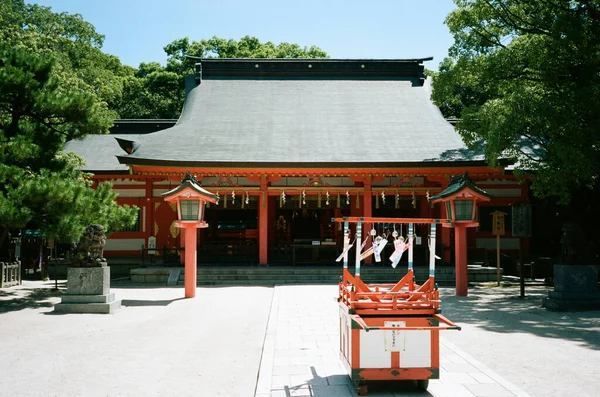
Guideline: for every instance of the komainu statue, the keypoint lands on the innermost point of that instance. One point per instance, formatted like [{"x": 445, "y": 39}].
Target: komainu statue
[{"x": 90, "y": 249}]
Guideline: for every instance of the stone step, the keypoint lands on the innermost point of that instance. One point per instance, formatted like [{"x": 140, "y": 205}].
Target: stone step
[{"x": 299, "y": 275}]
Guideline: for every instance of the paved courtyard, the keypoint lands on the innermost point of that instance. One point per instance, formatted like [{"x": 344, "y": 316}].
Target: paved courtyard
[{"x": 282, "y": 341}]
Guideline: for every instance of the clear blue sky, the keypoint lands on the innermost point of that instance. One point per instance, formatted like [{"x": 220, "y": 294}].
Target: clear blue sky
[{"x": 137, "y": 30}]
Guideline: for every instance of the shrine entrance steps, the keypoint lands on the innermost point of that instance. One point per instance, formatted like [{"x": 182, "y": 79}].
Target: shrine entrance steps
[{"x": 278, "y": 275}]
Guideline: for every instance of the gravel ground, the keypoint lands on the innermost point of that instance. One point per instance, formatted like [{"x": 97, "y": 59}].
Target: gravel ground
[
  {"x": 157, "y": 344},
  {"x": 160, "y": 344}
]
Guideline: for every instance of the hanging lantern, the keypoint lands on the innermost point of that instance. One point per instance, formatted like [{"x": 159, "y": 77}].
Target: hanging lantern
[{"x": 460, "y": 199}]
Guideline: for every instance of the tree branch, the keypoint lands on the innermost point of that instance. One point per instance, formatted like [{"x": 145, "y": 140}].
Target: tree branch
[{"x": 514, "y": 21}]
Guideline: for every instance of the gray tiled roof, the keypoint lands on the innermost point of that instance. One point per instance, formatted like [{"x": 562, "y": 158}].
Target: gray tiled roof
[
  {"x": 320, "y": 121},
  {"x": 99, "y": 152}
]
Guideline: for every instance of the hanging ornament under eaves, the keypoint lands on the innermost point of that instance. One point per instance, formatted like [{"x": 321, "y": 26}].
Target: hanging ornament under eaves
[
  {"x": 218, "y": 198},
  {"x": 327, "y": 198},
  {"x": 282, "y": 199},
  {"x": 414, "y": 199},
  {"x": 247, "y": 198},
  {"x": 347, "y": 197},
  {"x": 383, "y": 198},
  {"x": 233, "y": 197},
  {"x": 304, "y": 197}
]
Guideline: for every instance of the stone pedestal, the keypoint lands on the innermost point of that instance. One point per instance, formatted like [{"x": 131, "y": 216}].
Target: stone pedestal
[
  {"x": 575, "y": 288},
  {"x": 88, "y": 291}
]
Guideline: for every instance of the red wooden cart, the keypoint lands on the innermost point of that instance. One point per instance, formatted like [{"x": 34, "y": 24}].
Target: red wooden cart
[{"x": 390, "y": 332}]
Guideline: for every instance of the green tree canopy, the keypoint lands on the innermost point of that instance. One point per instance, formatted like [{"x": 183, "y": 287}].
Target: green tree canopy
[
  {"x": 72, "y": 42},
  {"x": 41, "y": 186},
  {"x": 523, "y": 78}
]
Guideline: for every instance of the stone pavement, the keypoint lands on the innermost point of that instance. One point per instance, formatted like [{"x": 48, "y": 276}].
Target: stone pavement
[
  {"x": 282, "y": 341},
  {"x": 157, "y": 344},
  {"x": 300, "y": 355}
]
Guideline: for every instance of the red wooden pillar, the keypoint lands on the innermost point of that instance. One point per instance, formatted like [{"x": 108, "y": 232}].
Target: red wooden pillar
[
  {"x": 182, "y": 243},
  {"x": 460, "y": 247},
  {"x": 149, "y": 206},
  {"x": 190, "y": 261},
  {"x": 263, "y": 224}
]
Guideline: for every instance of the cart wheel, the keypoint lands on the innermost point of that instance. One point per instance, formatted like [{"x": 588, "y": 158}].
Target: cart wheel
[
  {"x": 423, "y": 384},
  {"x": 362, "y": 390}
]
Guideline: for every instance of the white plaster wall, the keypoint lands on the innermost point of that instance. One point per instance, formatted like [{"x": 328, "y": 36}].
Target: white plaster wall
[{"x": 130, "y": 192}]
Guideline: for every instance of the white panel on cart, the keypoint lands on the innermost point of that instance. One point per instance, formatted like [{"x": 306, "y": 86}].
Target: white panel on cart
[
  {"x": 417, "y": 352},
  {"x": 372, "y": 350}
]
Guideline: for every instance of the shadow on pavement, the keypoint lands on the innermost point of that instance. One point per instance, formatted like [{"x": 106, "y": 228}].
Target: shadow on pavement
[
  {"x": 341, "y": 385},
  {"x": 29, "y": 298},
  {"x": 502, "y": 310},
  {"x": 136, "y": 302}
]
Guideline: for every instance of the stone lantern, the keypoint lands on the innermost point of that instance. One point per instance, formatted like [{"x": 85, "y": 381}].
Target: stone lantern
[
  {"x": 191, "y": 199},
  {"x": 460, "y": 199}
]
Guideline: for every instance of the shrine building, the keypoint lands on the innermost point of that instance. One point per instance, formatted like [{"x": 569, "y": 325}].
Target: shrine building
[{"x": 288, "y": 144}]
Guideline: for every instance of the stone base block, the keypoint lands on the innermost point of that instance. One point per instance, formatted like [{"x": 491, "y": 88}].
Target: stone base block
[
  {"x": 574, "y": 295},
  {"x": 88, "y": 280},
  {"x": 93, "y": 308},
  {"x": 88, "y": 298},
  {"x": 575, "y": 288}
]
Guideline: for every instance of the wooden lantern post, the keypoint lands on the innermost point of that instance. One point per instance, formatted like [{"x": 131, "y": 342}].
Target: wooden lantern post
[
  {"x": 460, "y": 199},
  {"x": 191, "y": 200},
  {"x": 498, "y": 230}
]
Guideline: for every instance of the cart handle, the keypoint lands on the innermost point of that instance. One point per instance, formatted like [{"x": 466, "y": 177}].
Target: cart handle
[{"x": 450, "y": 325}]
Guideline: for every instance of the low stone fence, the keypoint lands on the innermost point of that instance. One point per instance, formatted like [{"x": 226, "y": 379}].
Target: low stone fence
[{"x": 10, "y": 274}]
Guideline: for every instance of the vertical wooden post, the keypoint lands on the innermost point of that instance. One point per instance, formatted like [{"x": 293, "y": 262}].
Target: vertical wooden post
[
  {"x": 263, "y": 223},
  {"x": 460, "y": 247},
  {"x": 498, "y": 260},
  {"x": 190, "y": 261}
]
